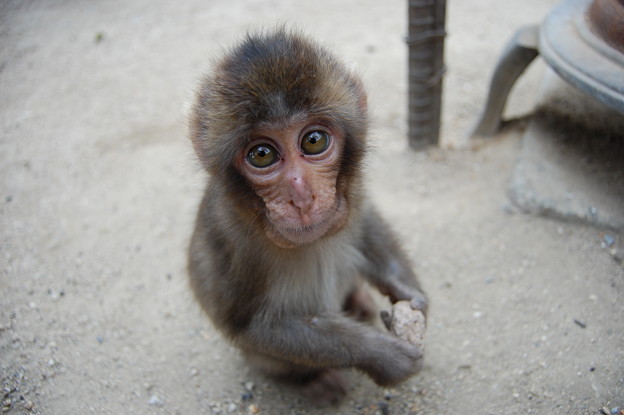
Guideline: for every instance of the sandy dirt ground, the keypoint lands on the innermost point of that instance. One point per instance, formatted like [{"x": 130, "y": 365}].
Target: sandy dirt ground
[{"x": 99, "y": 189}]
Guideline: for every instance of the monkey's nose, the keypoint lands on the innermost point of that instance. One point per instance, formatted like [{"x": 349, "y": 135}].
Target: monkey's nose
[{"x": 301, "y": 195}]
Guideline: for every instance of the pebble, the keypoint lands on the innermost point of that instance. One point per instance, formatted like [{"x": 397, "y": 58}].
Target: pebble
[
  {"x": 408, "y": 324},
  {"x": 155, "y": 401},
  {"x": 253, "y": 409},
  {"x": 608, "y": 240}
]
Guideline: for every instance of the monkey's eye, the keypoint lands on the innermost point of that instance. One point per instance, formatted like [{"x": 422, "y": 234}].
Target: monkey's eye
[
  {"x": 315, "y": 142},
  {"x": 262, "y": 155}
]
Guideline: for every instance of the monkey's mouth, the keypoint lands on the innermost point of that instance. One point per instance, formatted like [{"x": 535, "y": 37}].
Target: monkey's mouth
[
  {"x": 333, "y": 221},
  {"x": 289, "y": 234},
  {"x": 307, "y": 233}
]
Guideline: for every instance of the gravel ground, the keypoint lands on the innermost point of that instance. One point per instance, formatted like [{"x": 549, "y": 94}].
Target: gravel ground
[{"x": 100, "y": 188}]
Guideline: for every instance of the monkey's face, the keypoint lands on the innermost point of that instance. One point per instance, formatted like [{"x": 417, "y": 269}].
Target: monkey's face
[{"x": 293, "y": 167}]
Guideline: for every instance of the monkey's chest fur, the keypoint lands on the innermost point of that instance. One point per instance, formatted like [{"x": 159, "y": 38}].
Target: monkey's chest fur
[
  {"x": 238, "y": 281},
  {"x": 317, "y": 279}
]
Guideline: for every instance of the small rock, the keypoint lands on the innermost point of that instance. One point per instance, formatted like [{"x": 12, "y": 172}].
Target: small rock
[
  {"x": 384, "y": 409},
  {"x": 408, "y": 324},
  {"x": 253, "y": 409},
  {"x": 232, "y": 407},
  {"x": 29, "y": 406},
  {"x": 608, "y": 240},
  {"x": 247, "y": 396},
  {"x": 249, "y": 386},
  {"x": 615, "y": 411},
  {"x": 593, "y": 212},
  {"x": 155, "y": 401}
]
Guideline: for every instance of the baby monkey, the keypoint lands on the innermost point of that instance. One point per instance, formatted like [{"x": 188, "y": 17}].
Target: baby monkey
[{"x": 285, "y": 234}]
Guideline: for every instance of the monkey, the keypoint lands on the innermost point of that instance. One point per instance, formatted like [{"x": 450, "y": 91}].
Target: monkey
[{"x": 286, "y": 238}]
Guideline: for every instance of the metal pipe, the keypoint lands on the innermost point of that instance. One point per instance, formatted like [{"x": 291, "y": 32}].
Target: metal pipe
[{"x": 425, "y": 40}]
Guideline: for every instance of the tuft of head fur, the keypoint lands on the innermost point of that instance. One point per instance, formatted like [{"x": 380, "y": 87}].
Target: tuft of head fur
[
  {"x": 272, "y": 78},
  {"x": 267, "y": 78}
]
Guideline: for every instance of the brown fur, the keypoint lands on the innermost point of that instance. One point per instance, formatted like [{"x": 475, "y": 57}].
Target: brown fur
[{"x": 284, "y": 306}]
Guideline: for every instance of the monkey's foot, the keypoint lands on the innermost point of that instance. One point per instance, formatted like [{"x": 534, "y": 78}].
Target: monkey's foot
[{"x": 326, "y": 388}]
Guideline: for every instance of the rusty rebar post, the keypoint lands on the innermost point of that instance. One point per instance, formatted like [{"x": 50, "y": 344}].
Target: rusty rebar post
[{"x": 426, "y": 21}]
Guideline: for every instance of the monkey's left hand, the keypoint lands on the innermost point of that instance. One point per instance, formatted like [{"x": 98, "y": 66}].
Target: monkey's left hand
[
  {"x": 399, "y": 286},
  {"x": 400, "y": 292},
  {"x": 388, "y": 267}
]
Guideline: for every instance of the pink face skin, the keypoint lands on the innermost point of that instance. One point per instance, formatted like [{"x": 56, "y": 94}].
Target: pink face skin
[{"x": 296, "y": 179}]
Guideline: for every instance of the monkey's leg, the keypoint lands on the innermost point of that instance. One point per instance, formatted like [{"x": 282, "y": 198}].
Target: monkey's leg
[
  {"x": 359, "y": 304},
  {"x": 331, "y": 341},
  {"x": 322, "y": 386}
]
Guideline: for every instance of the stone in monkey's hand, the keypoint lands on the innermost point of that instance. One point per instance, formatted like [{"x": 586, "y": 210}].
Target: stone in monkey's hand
[{"x": 406, "y": 323}]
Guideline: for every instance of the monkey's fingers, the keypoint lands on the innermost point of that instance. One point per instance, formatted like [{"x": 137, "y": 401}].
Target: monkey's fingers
[
  {"x": 419, "y": 302},
  {"x": 386, "y": 318}
]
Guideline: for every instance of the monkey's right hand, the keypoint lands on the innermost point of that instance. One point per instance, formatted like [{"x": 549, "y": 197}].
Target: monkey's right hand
[{"x": 394, "y": 362}]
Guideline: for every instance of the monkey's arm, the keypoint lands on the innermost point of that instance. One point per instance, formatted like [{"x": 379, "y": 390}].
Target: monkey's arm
[
  {"x": 387, "y": 266},
  {"x": 331, "y": 340}
]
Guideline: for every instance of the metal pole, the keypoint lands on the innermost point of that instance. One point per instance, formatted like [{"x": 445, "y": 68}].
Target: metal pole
[{"x": 426, "y": 21}]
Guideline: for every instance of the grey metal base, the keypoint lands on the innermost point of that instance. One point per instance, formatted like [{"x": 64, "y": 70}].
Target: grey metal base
[{"x": 569, "y": 47}]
